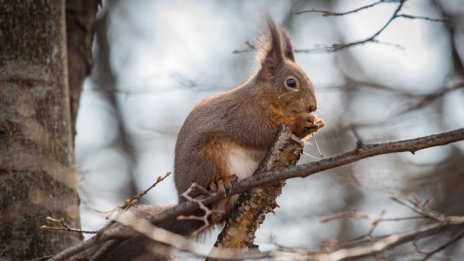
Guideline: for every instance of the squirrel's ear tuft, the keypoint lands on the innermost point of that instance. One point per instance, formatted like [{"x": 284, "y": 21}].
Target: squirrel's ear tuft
[
  {"x": 270, "y": 46},
  {"x": 287, "y": 47}
]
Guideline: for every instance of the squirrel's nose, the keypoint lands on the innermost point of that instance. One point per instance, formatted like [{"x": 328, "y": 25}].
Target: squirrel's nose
[{"x": 312, "y": 108}]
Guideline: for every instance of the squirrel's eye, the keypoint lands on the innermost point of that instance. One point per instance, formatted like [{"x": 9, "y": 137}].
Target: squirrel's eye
[{"x": 291, "y": 83}]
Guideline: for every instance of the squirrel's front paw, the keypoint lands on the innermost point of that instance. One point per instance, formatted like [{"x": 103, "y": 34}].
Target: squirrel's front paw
[
  {"x": 307, "y": 123},
  {"x": 223, "y": 184}
]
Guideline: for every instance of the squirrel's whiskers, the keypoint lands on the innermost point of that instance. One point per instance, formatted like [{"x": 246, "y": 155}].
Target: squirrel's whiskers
[
  {"x": 311, "y": 156},
  {"x": 317, "y": 145},
  {"x": 282, "y": 95}
]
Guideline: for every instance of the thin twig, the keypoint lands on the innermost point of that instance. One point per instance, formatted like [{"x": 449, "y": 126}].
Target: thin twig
[
  {"x": 136, "y": 199},
  {"x": 330, "y": 13},
  {"x": 373, "y": 38},
  {"x": 104, "y": 250},
  {"x": 65, "y": 227},
  {"x": 419, "y": 210},
  {"x": 250, "y": 47},
  {"x": 347, "y": 214},
  {"x": 420, "y": 101},
  {"x": 439, "y": 20},
  {"x": 444, "y": 246},
  {"x": 385, "y": 243},
  {"x": 401, "y": 218},
  {"x": 199, "y": 202},
  {"x": 375, "y": 224},
  {"x": 441, "y": 222},
  {"x": 67, "y": 253},
  {"x": 426, "y": 99},
  {"x": 107, "y": 246}
]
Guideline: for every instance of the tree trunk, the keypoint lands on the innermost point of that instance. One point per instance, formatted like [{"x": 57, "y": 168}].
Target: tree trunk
[
  {"x": 37, "y": 177},
  {"x": 80, "y": 29}
]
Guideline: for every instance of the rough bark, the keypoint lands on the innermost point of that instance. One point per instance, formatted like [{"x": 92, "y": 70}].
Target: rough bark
[
  {"x": 37, "y": 178},
  {"x": 80, "y": 29},
  {"x": 252, "y": 206}
]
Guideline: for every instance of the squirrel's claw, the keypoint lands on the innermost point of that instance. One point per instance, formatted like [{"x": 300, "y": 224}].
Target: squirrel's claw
[{"x": 223, "y": 184}]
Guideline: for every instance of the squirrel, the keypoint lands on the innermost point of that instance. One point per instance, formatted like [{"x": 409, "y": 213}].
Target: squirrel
[{"x": 225, "y": 137}]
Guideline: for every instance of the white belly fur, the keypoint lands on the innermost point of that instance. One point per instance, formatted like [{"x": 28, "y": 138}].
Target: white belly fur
[{"x": 243, "y": 162}]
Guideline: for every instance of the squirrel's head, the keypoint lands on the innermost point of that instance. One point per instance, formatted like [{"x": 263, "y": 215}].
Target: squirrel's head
[{"x": 287, "y": 85}]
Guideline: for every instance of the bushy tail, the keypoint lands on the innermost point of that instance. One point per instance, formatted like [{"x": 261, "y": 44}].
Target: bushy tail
[{"x": 183, "y": 227}]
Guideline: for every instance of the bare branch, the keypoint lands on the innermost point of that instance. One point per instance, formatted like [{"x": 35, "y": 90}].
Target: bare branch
[
  {"x": 104, "y": 250},
  {"x": 428, "y": 98},
  {"x": 371, "y": 39},
  {"x": 385, "y": 243},
  {"x": 136, "y": 199},
  {"x": 360, "y": 152},
  {"x": 420, "y": 101},
  {"x": 65, "y": 227},
  {"x": 365, "y": 151},
  {"x": 441, "y": 223},
  {"x": 444, "y": 246},
  {"x": 199, "y": 202},
  {"x": 421, "y": 209},
  {"x": 440, "y": 20},
  {"x": 330, "y": 13},
  {"x": 250, "y": 47},
  {"x": 71, "y": 251},
  {"x": 127, "y": 204},
  {"x": 353, "y": 213},
  {"x": 157, "y": 235}
]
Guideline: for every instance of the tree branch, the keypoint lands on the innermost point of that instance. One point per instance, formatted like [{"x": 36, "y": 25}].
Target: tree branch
[
  {"x": 372, "y": 38},
  {"x": 360, "y": 152},
  {"x": 330, "y": 13},
  {"x": 439, "y": 20},
  {"x": 385, "y": 243},
  {"x": 252, "y": 206},
  {"x": 444, "y": 246},
  {"x": 440, "y": 223}
]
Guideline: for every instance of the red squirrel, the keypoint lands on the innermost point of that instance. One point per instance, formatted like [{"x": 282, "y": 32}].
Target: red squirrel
[{"x": 225, "y": 136}]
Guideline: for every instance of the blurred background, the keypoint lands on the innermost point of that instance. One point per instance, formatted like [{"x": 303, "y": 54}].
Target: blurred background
[{"x": 154, "y": 60}]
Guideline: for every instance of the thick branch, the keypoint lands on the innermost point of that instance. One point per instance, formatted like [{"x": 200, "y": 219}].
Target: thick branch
[
  {"x": 360, "y": 152},
  {"x": 252, "y": 206}
]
